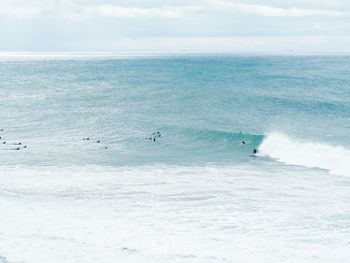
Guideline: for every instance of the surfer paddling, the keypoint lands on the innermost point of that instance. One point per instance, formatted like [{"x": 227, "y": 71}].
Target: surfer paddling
[{"x": 154, "y": 137}]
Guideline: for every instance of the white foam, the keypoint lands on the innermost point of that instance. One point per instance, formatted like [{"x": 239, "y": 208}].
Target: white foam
[
  {"x": 279, "y": 146},
  {"x": 172, "y": 214}
]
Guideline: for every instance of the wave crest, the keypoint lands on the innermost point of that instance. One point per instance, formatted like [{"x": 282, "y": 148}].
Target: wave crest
[{"x": 281, "y": 147}]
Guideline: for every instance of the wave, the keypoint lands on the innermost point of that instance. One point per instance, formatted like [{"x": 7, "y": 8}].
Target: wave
[
  {"x": 215, "y": 145},
  {"x": 281, "y": 147},
  {"x": 217, "y": 135}
]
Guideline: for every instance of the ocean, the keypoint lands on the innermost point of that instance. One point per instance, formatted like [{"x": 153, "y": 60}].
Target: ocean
[{"x": 148, "y": 158}]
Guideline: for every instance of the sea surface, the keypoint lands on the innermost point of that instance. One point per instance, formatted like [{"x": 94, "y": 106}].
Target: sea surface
[{"x": 147, "y": 158}]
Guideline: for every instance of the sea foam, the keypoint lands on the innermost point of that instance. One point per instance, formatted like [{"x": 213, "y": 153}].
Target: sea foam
[{"x": 285, "y": 149}]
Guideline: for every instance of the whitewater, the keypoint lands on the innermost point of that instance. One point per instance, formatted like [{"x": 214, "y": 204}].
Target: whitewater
[
  {"x": 148, "y": 158},
  {"x": 335, "y": 159}
]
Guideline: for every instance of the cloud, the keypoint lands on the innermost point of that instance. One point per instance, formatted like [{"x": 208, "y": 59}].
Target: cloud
[
  {"x": 131, "y": 12},
  {"x": 182, "y": 24},
  {"x": 9, "y": 10},
  {"x": 75, "y": 10},
  {"x": 265, "y": 10}
]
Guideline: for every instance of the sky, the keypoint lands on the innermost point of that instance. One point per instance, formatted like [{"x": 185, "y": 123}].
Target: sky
[{"x": 175, "y": 25}]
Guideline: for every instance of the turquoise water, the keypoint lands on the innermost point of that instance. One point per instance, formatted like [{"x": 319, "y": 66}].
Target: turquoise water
[
  {"x": 195, "y": 194},
  {"x": 199, "y": 104}
]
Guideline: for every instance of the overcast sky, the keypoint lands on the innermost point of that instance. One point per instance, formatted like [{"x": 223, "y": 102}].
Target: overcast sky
[{"x": 165, "y": 25}]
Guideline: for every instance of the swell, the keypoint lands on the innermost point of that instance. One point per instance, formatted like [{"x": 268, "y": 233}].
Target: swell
[
  {"x": 211, "y": 140},
  {"x": 217, "y": 135},
  {"x": 277, "y": 146},
  {"x": 179, "y": 145}
]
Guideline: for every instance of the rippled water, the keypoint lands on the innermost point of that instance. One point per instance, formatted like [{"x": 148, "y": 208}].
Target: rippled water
[{"x": 195, "y": 194}]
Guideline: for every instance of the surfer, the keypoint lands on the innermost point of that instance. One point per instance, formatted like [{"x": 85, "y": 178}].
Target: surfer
[
  {"x": 156, "y": 134},
  {"x": 243, "y": 142},
  {"x": 255, "y": 151},
  {"x": 86, "y": 139},
  {"x": 98, "y": 141},
  {"x": 12, "y": 149},
  {"x": 17, "y": 143}
]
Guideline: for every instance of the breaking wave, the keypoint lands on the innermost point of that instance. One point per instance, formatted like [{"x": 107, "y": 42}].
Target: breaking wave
[{"x": 281, "y": 147}]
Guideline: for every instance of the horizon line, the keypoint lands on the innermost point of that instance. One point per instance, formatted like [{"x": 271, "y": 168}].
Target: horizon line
[{"x": 125, "y": 53}]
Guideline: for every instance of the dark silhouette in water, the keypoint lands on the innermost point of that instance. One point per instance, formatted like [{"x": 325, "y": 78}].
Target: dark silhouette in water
[
  {"x": 255, "y": 151},
  {"x": 4, "y": 143},
  {"x": 12, "y": 149},
  {"x": 98, "y": 141},
  {"x": 17, "y": 143},
  {"x": 86, "y": 139},
  {"x": 1, "y": 129},
  {"x": 243, "y": 142},
  {"x": 154, "y": 137}
]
